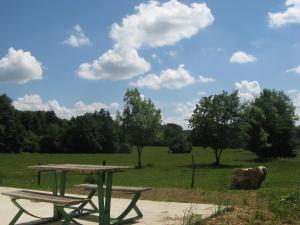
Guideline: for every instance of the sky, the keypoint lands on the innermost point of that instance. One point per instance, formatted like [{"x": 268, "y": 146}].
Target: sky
[{"x": 74, "y": 57}]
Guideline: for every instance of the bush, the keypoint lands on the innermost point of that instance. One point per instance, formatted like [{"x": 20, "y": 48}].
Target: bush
[
  {"x": 125, "y": 148},
  {"x": 181, "y": 146},
  {"x": 89, "y": 179}
]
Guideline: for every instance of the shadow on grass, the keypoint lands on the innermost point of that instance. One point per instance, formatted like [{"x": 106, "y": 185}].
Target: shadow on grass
[
  {"x": 211, "y": 166},
  {"x": 1, "y": 178},
  {"x": 257, "y": 160}
]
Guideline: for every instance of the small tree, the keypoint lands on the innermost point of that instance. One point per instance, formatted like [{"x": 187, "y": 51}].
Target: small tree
[
  {"x": 140, "y": 120},
  {"x": 271, "y": 125},
  {"x": 214, "y": 122}
]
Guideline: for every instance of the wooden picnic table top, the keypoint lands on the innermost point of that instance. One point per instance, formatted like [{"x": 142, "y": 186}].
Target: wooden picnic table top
[{"x": 81, "y": 168}]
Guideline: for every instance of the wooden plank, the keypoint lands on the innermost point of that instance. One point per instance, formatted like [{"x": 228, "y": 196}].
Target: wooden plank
[
  {"x": 45, "y": 197},
  {"x": 79, "y": 168},
  {"x": 116, "y": 188}
]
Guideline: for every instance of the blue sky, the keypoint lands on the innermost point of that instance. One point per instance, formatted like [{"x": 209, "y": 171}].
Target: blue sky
[{"x": 79, "y": 56}]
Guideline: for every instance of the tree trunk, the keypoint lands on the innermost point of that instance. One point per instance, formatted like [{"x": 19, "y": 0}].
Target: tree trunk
[
  {"x": 218, "y": 153},
  {"x": 139, "y": 151}
]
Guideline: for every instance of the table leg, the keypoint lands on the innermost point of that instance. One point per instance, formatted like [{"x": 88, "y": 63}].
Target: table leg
[
  {"x": 100, "y": 198},
  {"x": 54, "y": 191},
  {"x": 104, "y": 209},
  {"x": 108, "y": 197},
  {"x": 63, "y": 183}
]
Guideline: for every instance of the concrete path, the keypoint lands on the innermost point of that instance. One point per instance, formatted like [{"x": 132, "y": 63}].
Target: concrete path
[{"x": 155, "y": 213}]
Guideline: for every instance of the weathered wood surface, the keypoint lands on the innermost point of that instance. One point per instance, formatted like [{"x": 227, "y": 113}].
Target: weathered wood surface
[
  {"x": 44, "y": 197},
  {"x": 115, "y": 188},
  {"x": 79, "y": 168}
]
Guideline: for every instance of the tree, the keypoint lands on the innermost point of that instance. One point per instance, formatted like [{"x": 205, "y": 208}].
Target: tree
[
  {"x": 172, "y": 132},
  {"x": 93, "y": 132},
  {"x": 140, "y": 120},
  {"x": 214, "y": 122},
  {"x": 11, "y": 130},
  {"x": 271, "y": 125}
]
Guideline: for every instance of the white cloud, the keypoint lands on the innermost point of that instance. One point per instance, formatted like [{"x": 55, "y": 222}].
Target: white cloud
[
  {"x": 157, "y": 58},
  {"x": 153, "y": 25},
  {"x": 172, "y": 53},
  {"x": 242, "y": 57},
  {"x": 201, "y": 93},
  {"x": 247, "y": 90},
  {"x": 19, "y": 66},
  {"x": 291, "y": 91},
  {"x": 159, "y": 24},
  {"x": 289, "y": 16},
  {"x": 77, "y": 38},
  {"x": 203, "y": 79},
  {"x": 30, "y": 103},
  {"x": 294, "y": 94},
  {"x": 36, "y": 103},
  {"x": 116, "y": 64},
  {"x": 295, "y": 70},
  {"x": 181, "y": 113},
  {"x": 171, "y": 79}
]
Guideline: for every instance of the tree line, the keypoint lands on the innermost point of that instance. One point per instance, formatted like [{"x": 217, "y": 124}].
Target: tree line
[
  {"x": 266, "y": 126},
  {"x": 97, "y": 132}
]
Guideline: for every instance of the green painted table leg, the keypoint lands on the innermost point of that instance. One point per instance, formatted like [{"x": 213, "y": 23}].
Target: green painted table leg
[
  {"x": 54, "y": 191},
  {"x": 100, "y": 198},
  {"x": 108, "y": 198},
  {"x": 63, "y": 183}
]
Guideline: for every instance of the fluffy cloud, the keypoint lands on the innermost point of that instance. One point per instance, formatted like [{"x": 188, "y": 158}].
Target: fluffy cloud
[
  {"x": 36, "y": 103},
  {"x": 242, "y": 57},
  {"x": 156, "y": 24},
  {"x": 295, "y": 70},
  {"x": 172, "y": 53},
  {"x": 19, "y": 66},
  {"x": 116, "y": 64},
  {"x": 181, "y": 113},
  {"x": 294, "y": 94},
  {"x": 153, "y": 25},
  {"x": 78, "y": 38},
  {"x": 289, "y": 16},
  {"x": 247, "y": 90},
  {"x": 171, "y": 79}
]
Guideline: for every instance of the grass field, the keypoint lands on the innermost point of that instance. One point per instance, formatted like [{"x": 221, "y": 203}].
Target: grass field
[{"x": 170, "y": 175}]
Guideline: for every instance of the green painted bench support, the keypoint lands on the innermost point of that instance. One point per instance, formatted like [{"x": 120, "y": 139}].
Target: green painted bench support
[
  {"x": 67, "y": 218},
  {"x": 60, "y": 203},
  {"x": 136, "y": 191}
]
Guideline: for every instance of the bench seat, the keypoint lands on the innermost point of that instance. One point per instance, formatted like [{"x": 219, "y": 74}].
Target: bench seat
[
  {"x": 115, "y": 188},
  {"x": 44, "y": 197}
]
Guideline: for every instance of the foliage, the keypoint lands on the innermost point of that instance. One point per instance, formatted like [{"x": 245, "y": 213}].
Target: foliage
[
  {"x": 11, "y": 131},
  {"x": 172, "y": 132},
  {"x": 140, "y": 120},
  {"x": 271, "y": 125},
  {"x": 92, "y": 133},
  {"x": 180, "y": 146},
  {"x": 214, "y": 122},
  {"x": 125, "y": 148}
]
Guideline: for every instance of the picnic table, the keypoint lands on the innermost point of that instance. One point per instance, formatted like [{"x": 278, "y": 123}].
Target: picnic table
[{"x": 102, "y": 186}]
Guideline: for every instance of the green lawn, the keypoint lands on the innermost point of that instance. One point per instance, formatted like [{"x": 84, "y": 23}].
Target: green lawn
[
  {"x": 170, "y": 175},
  {"x": 161, "y": 169}
]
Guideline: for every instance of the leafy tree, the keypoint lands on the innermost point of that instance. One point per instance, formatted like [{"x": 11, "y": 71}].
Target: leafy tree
[
  {"x": 140, "y": 120},
  {"x": 180, "y": 145},
  {"x": 11, "y": 130},
  {"x": 172, "y": 132},
  {"x": 271, "y": 125},
  {"x": 92, "y": 133},
  {"x": 214, "y": 122}
]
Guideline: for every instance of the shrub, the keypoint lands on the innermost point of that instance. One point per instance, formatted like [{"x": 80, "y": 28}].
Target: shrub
[
  {"x": 181, "y": 146},
  {"x": 125, "y": 148},
  {"x": 89, "y": 179}
]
